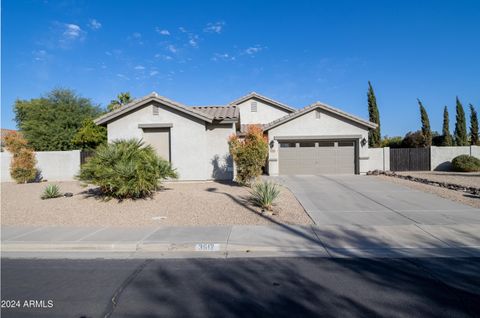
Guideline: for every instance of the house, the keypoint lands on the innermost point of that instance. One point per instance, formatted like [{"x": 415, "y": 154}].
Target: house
[
  {"x": 317, "y": 139},
  {"x": 3, "y": 133}
]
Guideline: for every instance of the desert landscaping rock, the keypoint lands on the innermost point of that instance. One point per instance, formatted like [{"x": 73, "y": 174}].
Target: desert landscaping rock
[
  {"x": 178, "y": 204},
  {"x": 447, "y": 180}
]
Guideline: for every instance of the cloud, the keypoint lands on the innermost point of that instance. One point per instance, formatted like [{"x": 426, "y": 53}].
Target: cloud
[
  {"x": 222, "y": 57},
  {"x": 163, "y": 57},
  {"x": 139, "y": 67},
  {"x": 172, "y": 48},
  {"x": 40, "y": 55},
  {"x": 94, "y": 24},
  {"x": 253, "y": 50},
  {"x": 153, "y": 73},
  {"x": 216, "y": 27},
  {"x": 162, "y": 31},
  {"x": 182, "y": 29},
  {"x": 136, "y": 37},
  {"x": 123, "y": 77},
  {"x": 193, "y": 40},
  {"x": 72, "y": 31}
]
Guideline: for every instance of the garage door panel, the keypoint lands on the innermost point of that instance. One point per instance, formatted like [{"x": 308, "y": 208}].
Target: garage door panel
[{"x": 327, "y": 157}]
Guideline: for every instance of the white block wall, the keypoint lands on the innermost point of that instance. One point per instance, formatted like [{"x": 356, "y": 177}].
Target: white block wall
[
  {"x": 441, "y": 157},
  {"x": 378, "y": 159},
  {"x": 54, "y": 165}
]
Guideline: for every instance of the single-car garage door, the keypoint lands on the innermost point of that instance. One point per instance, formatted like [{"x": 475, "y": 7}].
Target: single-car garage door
[{"x": 317, "y": 157}]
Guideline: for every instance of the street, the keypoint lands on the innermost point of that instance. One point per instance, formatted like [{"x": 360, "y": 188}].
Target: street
[{"x": 248, "y": 287}]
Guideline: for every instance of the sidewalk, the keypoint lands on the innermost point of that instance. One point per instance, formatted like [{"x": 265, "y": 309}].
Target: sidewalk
[{"x": 243, "y": 241}]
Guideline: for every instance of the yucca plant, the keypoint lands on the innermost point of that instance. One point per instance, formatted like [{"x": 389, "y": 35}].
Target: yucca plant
[
  {"x": 126, "y": 169},
  {"x": 264, "y": 194},
  {"x": 51, "y": 191}
]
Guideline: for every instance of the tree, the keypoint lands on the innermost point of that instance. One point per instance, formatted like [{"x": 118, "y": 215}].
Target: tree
[
  {"x": 122, "y": 99},
  {"x": 447, "y": 138},
  {"x": 473, "y": 127},
  {"x": 50, "y": 122},
  {"x": 426, "y": 131},
  {"x": 90, "y": 135},
  {"x": 249, "y": 154},
  {"x": 22, "y": 167},
  {"x": 374, "y": 136},
  {"x": 413, "y": 140},
  {"x": 392, "y": 142},
  {"x": 460, "y": 126}
]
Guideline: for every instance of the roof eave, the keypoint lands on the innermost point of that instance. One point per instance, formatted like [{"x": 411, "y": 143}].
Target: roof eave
[
  {"x": 105, "y": 119},
  {"x": 263, "y": 98},
  {"x": 324, "y": 107}
]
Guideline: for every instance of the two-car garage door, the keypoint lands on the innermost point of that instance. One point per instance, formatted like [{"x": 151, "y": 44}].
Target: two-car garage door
[{"x": 317, "y": 157}]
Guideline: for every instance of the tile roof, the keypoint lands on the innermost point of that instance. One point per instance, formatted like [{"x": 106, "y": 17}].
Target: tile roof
[
  {"x": 219, "y": 112},
  {"x": 4, "y": 132}
]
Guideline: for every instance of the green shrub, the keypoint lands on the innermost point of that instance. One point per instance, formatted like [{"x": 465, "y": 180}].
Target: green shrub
[
  {"x": 466, "y": 163},
  {"x": 126, "y": 169},
  {"x": 250, "y": 154},
  {"x": 264, "y": 194},
  {"x": 51, "y": 191}
]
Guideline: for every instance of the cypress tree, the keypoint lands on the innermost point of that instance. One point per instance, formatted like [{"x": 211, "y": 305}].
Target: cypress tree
[
  {"x": 460, "y": 126},
  {"x": 426, "y": 131},
  {"x": 447, "y": 138},
  {"x": 374, "y": 135},
  {"x": 473, "y": 127}
]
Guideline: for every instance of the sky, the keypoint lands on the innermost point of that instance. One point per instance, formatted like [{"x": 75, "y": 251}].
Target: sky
[{"x": 212, "y": 52}]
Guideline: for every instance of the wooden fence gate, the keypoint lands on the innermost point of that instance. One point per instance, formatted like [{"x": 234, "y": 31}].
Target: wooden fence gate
[
  {"x": 84, "y": 155},
  {"x": 410, "y": 159}
]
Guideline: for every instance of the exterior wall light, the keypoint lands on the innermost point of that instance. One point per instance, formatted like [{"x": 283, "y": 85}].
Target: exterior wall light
[
  {"x": 272, "y": 143},
  {"x": 363, "y": 142}
]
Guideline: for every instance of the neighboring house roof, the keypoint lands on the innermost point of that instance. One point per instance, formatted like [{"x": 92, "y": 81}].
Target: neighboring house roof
[
  {"x": 324, "y": 107},
  {"x": 262, "y": 98},
  {"x": 147, "y": 99},
  {"x": 4, "y": 132},
  {"x": 219, "y": 112}
]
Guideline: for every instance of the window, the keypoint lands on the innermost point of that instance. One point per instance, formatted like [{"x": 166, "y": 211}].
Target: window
[
  {"x": 345, "y": 143},
  {"x": 253, "y": 106},
  {"x": 307, "y": 144},
  {"x": 317, "y": 114},
  {"x": 326, "y": 144},
  {"x": 155, "y": 110},
  {"x": 287, "y": 145}
]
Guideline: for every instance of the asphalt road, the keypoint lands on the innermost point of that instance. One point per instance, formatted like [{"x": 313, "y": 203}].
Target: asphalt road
[{"x": 281, "y": 287}]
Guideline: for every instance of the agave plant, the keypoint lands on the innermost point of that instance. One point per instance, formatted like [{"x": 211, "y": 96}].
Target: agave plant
[
  {"x": 51, "y": 191},
  {"x": 126, "y": 169},
  {"x": 264, "y": 194}
]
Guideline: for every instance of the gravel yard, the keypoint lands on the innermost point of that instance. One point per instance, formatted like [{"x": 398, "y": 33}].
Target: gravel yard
[
  {"x": 441, "y": 192},
  {"x": 188, "y": 204},
  {"x": 467, "y": 179}
]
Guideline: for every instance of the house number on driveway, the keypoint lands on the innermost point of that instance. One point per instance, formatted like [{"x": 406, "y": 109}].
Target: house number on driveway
[{"x": 207, "y": 247}]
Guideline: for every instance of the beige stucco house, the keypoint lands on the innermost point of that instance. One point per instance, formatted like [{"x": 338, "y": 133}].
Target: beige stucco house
[{"x": 317, "y": 139}]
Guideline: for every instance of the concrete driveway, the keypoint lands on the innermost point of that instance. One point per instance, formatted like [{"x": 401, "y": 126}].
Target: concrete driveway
[{"x": 365, "y": 200}]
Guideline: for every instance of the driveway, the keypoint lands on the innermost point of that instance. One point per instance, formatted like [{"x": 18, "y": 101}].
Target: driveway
[{"x": 364, "y": 200}]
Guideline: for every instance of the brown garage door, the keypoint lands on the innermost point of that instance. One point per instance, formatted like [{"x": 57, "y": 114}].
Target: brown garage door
[{"x": 317, "y": 157}]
